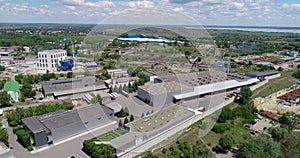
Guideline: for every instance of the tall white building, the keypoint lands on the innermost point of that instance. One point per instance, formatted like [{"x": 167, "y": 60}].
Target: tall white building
[{"x": 49, "y": 59}]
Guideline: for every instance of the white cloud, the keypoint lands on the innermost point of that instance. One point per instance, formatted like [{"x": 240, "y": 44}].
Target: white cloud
[
  {"x": 70, "y": 7},
  {"x": 141, "y": 4},
  {"x": 178, "y": 9}
]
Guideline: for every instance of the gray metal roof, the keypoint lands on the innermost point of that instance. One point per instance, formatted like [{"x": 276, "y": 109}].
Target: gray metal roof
[
  {"x": 261, "y": 74},
  {"x": 62, "y": 118},
  {"x": 77, "y": 84},
  {"x": 164, "y": 87}
]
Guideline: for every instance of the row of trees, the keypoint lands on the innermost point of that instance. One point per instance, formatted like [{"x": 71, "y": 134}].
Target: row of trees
[
  {"x": 122, "y": 124},
  {"x": 184, "y": 149},
  {"x": 31, "y": 79},
  {"x": 14, "y": 117}
]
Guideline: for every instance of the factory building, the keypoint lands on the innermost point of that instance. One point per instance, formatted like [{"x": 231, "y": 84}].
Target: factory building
[
  {"x": 56, "y": 126},
  {"x": 192, "y": 85},
  {"x": 71, "y": 86},
  {"x": 48, "y": 60},
  {"x": 162, "y": 93}
]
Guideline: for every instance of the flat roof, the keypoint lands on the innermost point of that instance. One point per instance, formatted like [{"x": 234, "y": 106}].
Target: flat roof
[
  {"x": 261, "y": 74},
  {"x": 164, "y": 87},
  {"x": 214, "y": 87},
  {"x": 53, "y": 51},
  {"x": 151, "y": 130},
  {"x": 60, "y": 85}
]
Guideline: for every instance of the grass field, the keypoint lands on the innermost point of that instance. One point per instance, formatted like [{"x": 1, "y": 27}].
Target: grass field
[
  {"x": 237, "y": 130},
  {"x": 110, "y": 135},
  {"x": 191, "y": 137},
  {"x": 276, "y": 84}
]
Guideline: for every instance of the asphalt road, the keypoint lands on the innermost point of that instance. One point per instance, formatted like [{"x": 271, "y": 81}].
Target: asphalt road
[{"x": 63, "y": 150}]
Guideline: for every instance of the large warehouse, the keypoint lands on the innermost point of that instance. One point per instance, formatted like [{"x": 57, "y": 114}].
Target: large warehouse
[
  {"x": 70, "y": 86},
  {"x": 53, "y": 127},
  {"x": 162, "y": 93},
  {"x": 192, "y": 85}
]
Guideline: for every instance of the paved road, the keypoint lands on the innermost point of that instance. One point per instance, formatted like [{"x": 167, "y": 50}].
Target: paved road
[{"x": 63, "y": 150}]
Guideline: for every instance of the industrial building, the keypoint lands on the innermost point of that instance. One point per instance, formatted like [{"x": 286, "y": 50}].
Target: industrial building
[
  {"x": 49, "y": 59},
  {"x": 71, "y": 86},
  {"x": 56, "y": 126},
  {"x": 192, "y": 85},
  {"x": 162, "y": 93},
  {"x": 263, "y": 75}
]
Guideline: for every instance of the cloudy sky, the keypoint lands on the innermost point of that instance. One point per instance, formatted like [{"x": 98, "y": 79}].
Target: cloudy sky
[{"x": 205, "y": 12}]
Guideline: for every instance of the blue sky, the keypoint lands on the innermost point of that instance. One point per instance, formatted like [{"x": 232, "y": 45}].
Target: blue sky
[{"x": 205, "y": 12}]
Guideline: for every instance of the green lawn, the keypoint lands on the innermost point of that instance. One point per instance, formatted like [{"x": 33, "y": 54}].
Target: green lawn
[
  {"x": 276, "y": 84},
  {"x": 237, "y": 130},
  {"x": 110, "y": 135}
]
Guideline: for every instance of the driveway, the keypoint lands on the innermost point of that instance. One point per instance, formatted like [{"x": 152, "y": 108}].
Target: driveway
[{"x": 63, "y": 150}]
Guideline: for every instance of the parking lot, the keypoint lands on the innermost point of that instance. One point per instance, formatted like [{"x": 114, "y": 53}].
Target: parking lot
[{"x": 260, "y": 124}]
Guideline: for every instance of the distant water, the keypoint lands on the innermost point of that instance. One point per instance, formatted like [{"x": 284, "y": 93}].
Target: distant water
[{"x": 256, "y": 28}]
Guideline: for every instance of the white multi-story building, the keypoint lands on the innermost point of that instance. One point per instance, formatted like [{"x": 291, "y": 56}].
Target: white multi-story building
[{"x": 49, "y": 59}]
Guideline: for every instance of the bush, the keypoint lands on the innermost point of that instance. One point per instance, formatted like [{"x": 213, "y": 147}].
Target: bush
[
  {"x": 15, "y": 129},
  {"x": 220, "y": 128},
  {"x": 30, "y": 147},
  {"x": 23, "y": 138}
]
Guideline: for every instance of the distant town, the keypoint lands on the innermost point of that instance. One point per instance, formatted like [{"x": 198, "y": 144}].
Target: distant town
[{"x": 110, "y": 91}]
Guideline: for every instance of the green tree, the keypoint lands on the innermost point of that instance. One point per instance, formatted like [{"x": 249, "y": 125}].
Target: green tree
[
  {"x": 226, "y": 142},
  {"x": 126, "y": 111},
  {"x": 126, "y": 120},
  {"x": 4, "y": 136},
  {"x": 278, "y": 133},
  {"x": 131, "y": 118},
  {"x": 97, "y": 99},
  {"x": 290, "y": 119},
  {"x": 259, "y": 147},
  {"x": 70, "y": 75},
  {"x": 27, "y": 90},
  {"x": 246, "y": 95},
  {"x": 226, "y": 114},
  {"x": 23, "y": 138},
  {"x": 5, "y": 99},
  {"x": 120, "y": 123},
  {"x": 150, "y": 155},
  {"x": 220, "y": 128}
]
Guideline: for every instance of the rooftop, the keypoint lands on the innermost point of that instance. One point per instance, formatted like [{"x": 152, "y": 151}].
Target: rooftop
[
  {"x": 11, "y": 86},
  {"x": 164, "y": 87},
  {"x": 261, "y": 74},
  {"x": 53, "y": 51},
  {"x": 62, "y": 118},
  {"x": 71, "y": 84}
]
